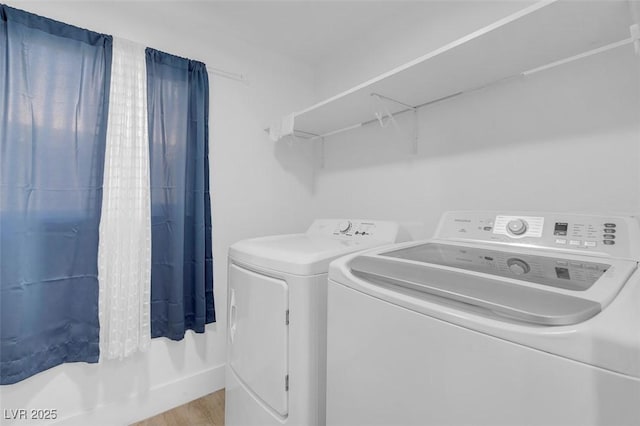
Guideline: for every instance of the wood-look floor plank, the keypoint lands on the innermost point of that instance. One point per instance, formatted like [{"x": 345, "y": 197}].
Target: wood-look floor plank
[{"x": 205, "y": 411}]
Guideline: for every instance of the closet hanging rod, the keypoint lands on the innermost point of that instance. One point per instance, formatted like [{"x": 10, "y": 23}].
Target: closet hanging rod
[
  {"x": 586, "y": 54},
  {"x": 605, "y": 48},
  {"x": 375, "y": 120}
]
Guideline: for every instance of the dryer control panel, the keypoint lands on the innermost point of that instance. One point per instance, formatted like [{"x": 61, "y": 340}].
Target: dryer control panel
[
  {"x": 618, "y": 236},
  {"x": 355, "y": 229}
]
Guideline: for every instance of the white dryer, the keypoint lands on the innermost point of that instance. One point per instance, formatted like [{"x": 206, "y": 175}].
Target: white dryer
[
  {"x": 501, "y": 319},
  {"x": 276, "y": 357}
]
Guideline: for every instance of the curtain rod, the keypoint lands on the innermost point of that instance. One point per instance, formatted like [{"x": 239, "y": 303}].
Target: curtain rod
[
  {"x": 228, "y": 74},
  {"x": 211, "y": 70}
]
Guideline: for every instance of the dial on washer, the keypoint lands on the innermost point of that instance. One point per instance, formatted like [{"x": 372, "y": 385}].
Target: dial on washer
[
  {"x": 517, "y": 226},
  {"x": 344, "y": 227},
  {"x": 518, "y": 266}
]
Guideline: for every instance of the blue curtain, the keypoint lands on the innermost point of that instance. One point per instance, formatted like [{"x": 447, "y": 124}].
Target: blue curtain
[
  {"x": 54, "y": 81},
  {"x": 182, "y": 262}
]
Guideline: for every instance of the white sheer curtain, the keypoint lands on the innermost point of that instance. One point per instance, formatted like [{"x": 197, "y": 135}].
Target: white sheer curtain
[{"x": 124, "y": 252}]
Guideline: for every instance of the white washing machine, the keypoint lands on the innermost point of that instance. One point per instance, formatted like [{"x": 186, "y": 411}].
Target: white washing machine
[
  {"x": 501, "y": 319},
  {"x": 276, "y": 358}
]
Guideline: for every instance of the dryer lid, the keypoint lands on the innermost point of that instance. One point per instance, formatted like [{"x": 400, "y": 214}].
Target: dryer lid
[{"x": 298, "y": 254}]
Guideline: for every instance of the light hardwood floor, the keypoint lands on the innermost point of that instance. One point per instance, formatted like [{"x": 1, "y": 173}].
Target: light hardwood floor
[{"x": 208, "y": 410}]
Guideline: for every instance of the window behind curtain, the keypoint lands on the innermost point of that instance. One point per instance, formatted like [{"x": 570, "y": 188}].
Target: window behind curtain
[{"x": 54, "y": 81}]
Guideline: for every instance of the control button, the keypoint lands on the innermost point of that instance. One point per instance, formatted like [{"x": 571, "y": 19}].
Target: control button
[
  {"x": 609, "y": 231},
  {"x": 609, "y": 237},
  {"x": 609, "y": 225},
  {"x": 487, "y": 228},
  {"x": 344, "y": 226},
  {"x": 609, "y": 242},
  {"x": 575, "y": 242},
  {"x": 517, "y": 226},
  {"x": 561, "y": 241},
  {"x": 590, "y": 243},
  {"x": 518, "y": 266}
]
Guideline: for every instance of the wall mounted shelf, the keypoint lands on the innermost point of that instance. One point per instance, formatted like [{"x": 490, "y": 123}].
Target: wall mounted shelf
[{"x": 541, "y": 36}]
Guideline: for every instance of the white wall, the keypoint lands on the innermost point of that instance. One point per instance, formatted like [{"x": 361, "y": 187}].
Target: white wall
[
  {"x": 257, "y": 189},
  {"x": 566, "y": 139}
]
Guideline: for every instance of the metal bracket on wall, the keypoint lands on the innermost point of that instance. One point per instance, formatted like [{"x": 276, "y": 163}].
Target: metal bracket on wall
[
  {"x": 635, "y": 36},
  {"x": 390, "y": 117},
  {"x": 322, "y": 151}
]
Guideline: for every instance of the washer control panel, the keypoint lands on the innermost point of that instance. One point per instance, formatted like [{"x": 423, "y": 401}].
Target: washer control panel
[
  {"x": 355, "y": 229},
  {"x": 518, "y": 226},
  {"x": 615, "y": 235}
]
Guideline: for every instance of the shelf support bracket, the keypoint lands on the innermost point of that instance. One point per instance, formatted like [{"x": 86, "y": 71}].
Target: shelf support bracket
[
  {"x": 380, "y": 116},
  {"x": 390, "y": 116},
  {"x": 635, "y": 36},
  {"x": 416, "y": 130},
  {"x": 322, "y": 152}
]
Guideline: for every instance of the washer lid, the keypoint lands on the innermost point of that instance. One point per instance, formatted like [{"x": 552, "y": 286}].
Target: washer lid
[
  {"x": 545, "y": 270},
  {"x": 298, "y": 254},
  {"x": 521, "y": 303},
  {"x": 530, "y": 286}
]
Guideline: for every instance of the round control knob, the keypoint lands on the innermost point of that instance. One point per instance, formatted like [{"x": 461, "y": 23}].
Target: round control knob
[
  {"x": 344, "y": 226},
  {"x": 517, "y": 226},
  {"x": 518, "y": 266}
]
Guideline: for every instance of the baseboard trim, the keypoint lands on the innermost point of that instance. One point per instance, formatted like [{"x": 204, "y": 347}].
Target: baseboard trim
[{"x": 157, "y": 400}]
